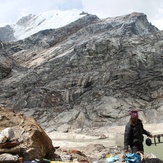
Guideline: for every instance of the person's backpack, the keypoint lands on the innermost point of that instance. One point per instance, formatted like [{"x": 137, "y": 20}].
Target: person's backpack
[{"x": 132, "y": 158}]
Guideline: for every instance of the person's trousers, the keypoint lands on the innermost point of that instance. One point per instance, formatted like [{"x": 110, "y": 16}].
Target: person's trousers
[{"x": 137, "y": 148}]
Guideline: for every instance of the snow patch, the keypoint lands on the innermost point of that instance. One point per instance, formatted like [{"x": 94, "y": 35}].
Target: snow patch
[{"x": 48, "y": 20}]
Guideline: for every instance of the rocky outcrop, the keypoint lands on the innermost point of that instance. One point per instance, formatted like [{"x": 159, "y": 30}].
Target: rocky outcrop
[
  {"x": 6, "y": 34},
  {"x": 34, "y": 142},
  {"x": 6, "y": 65},
  {"x": 25, "y": 20},
  {"x": 87, "y": 74}
]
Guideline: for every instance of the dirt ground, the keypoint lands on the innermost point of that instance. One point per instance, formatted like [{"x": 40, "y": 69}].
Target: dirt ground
[{"x": 108, "y": 136}]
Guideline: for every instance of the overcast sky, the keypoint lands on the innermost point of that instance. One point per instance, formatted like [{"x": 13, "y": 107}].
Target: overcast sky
[{"x": 13, "y": 10}]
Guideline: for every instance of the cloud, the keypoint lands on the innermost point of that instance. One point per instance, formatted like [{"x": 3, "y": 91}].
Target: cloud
[
  {"x": 108, "y": 8},
  {"x": 68, "y": 4},
  {"x": 12, "y": 10}
]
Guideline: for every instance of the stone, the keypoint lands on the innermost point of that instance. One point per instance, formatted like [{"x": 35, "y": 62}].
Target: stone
[{"x": 34, "y": 142}]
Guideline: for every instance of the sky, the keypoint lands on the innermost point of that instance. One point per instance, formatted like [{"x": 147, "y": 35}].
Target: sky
[{"x": 12, "y": 10}]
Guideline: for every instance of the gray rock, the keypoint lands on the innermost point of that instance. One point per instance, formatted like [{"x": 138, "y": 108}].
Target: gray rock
[
  {"x": 6, "y": 34},
  {"x": 86, "y": 74}
]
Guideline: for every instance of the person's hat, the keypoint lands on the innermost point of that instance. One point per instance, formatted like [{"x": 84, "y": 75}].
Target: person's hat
[{"x": 134, "y": 114}]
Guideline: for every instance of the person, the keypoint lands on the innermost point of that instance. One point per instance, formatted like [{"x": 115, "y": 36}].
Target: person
[{"x": 133, "y": 135}]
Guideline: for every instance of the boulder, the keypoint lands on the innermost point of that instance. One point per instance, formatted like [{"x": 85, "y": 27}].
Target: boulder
[{"x": 33, "y": 141}]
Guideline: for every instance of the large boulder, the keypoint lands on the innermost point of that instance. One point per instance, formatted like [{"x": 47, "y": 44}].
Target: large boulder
[{"x": 34, "y": 142}]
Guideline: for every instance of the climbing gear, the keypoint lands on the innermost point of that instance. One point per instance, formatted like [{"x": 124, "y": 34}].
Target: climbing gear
[
  {"x": 157, "y": 140},
  {"x": 148, "y": 142}
]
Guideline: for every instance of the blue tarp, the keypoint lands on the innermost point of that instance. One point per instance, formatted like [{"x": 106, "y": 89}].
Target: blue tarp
[
  {"x": 112, "y": 159},
  {"x": 132, "y": 158}
]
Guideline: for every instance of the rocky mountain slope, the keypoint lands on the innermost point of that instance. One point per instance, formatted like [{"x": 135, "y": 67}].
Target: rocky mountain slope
[{"x": 86, "y": 74}]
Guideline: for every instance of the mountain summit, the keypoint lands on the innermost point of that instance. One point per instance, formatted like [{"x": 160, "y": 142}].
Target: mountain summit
[
  {"x": 55, "y": 19},
  {"x": 32, "y": 24}
]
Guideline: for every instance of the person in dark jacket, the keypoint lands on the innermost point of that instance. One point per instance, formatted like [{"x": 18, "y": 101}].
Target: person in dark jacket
[{"x": 133, "y": 135}]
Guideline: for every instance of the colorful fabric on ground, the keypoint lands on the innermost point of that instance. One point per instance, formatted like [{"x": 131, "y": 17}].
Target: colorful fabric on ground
[
  {"x": 112, "y": 159},
  {"x": 132, "y": 158}
]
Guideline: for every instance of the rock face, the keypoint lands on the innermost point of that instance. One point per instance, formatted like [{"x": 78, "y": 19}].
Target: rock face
[
  {"x": 6, "y": 33},
  {"x": 86, "y": 74},
  {"x": 34, "y": 142}
]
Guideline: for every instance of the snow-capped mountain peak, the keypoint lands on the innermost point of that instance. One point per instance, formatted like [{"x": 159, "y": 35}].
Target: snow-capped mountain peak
[{"x": 53, "y": 19}]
